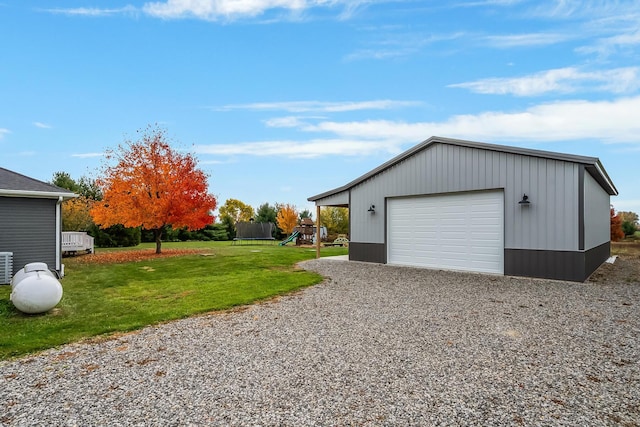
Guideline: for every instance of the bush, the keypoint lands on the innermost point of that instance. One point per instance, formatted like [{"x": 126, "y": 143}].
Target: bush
[
  {"x": 208, "y": 233},
  {"x": 628, "y": 228},
  {"x": 115, "y": 236}
]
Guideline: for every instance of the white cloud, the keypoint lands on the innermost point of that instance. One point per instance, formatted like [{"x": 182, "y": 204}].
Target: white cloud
[
  {"x": 92, "y": 11},
  {"x": 297, "y": 149},
  {"x": 397, "y": 132},
  {"x": 566, "y": 80},
  {"x": 320, "y": 106},
  {"x": 41, "y": 125},
  {"x": 211, "y": 162},
  {"x": 522, "y": 40},
  {"x": 586, "y": 9},
  {"x": 213, "y": 10},
  {"x": 616, "y": 121},
  {"x": 483, "y": 3},
  {"x": 379, "y": 54},
  {"x": 284, "y": 122},
  {"x": 609, "y": 121},
  {"x": 3, "y": 132},
  {"x": 390, "y": 42},
  {"x": 608, "y": 45},
  {"x": 87, "y": 155}
]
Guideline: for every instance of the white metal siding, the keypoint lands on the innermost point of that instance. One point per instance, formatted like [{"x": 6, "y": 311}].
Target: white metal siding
[
  {"x": 461, "y": 231},
  {"x": 597, "y": 229}
]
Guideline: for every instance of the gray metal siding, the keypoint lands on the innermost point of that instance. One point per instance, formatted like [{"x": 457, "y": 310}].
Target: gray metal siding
[
  {"x": 575, "y": 266},
  {"x": 335, "y": 200},
  {"x": 28, "y": 229},
  {"x": 552, "y": 186},
  {"x": 594, "y": 258},
  {"x": 558, "y": 265},
  {"x": 367, "y": 252},
  {"x": 596, "y": 214}
]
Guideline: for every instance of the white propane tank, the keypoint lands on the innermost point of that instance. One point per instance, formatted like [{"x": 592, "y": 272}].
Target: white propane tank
[{"x": 35, "y": 289}]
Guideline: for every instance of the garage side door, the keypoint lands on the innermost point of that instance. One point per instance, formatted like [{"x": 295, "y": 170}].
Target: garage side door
[{"x": 462, "y": 231}]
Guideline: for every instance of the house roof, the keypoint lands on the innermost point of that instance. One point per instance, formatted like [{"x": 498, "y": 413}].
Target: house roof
[
  {"x": 592, "y": 164},
  {"x": 13, "y": 184}
]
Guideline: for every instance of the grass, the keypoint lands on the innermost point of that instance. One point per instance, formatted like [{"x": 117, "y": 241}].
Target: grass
[
  {"x": 630, "y": 248},
  {"x": 110, "y": 298}
]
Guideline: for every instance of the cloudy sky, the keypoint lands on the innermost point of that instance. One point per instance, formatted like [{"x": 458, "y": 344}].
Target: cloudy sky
[{"x": 284, "y": 99}]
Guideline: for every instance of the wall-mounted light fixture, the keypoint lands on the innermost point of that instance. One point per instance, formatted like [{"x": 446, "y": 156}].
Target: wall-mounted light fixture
[
  {"x": 372, "y": 209},
  {"x": 525, "y": 201}
]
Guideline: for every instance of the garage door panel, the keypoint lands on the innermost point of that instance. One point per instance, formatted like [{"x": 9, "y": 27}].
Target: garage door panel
[{"x": 463, "y": 231}]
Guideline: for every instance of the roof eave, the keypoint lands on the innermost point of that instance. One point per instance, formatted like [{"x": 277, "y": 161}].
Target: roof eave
[
  {"x": 603, "y": 179},
  {"x": 37, "y": 194},
  {"x": 593, "y": 161}
]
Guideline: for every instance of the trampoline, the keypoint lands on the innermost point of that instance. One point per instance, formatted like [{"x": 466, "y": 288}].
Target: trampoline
[{"x": 254, "y": 233}]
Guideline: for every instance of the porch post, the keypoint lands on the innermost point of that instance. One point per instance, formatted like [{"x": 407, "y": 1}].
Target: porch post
[{"x": 317, "y": 231}]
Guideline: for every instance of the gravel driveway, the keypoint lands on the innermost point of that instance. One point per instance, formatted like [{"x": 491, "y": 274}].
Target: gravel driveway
[{"x": 372, "y": 345}]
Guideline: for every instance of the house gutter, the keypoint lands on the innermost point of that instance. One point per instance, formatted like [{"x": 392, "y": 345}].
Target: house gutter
[
  {"x": 59, "y": 235},
  {"x": 37, "y": 194}
]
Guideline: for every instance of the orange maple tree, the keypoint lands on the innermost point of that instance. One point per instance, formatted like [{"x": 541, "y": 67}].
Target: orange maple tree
[
  {"x": 154, "y": 187},
  {"x": 616, "y": 227},
  {"x": 287, "y": 218}
]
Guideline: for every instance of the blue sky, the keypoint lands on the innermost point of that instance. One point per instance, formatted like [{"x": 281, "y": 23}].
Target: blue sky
[{"x": 284, "y": 99}]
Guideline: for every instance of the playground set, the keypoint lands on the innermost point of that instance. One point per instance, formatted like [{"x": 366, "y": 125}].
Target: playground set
[{"x": 262, "y": 233}]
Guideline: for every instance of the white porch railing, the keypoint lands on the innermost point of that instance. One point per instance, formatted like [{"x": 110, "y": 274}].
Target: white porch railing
[{"x": 76, "y": 241}]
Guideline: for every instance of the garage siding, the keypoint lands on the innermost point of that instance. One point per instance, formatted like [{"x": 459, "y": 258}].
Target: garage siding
[
  {"x": 548, "y": 223},
  {"x": 335, "y": 200},
  {"x": 596, "y": 214},
  {"x": 460, "y": 231}
]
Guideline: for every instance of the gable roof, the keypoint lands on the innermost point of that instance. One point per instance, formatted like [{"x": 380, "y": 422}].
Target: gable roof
[
  {"x": 13, "y": 184},
  {"x": 592, "y": 164}
]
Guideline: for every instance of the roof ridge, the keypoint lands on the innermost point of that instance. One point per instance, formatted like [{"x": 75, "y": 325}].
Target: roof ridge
[{"x": 592, "y": 162}]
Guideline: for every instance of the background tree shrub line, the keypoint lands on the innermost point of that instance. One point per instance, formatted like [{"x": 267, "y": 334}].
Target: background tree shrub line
[{"x": 148, "y": 192}]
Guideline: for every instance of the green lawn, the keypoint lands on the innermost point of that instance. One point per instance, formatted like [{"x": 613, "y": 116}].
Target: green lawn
[{"x": 104, "y": 299}]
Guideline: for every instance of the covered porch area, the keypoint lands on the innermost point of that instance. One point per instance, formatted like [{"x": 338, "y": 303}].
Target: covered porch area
[{"x": 340, "y": 200}]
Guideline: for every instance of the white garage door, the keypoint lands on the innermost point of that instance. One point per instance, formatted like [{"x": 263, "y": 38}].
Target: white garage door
[{"x": 462, "y": 231}]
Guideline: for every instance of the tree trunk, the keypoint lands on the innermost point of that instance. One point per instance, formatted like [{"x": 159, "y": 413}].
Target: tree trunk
[{"x": 158, "y": 235}]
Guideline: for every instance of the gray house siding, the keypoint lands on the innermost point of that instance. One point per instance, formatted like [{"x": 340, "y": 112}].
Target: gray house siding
[{"x": 28, "y": 228}]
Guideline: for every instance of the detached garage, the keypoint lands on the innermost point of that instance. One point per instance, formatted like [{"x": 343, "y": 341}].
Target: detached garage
[{"x": 468, "y": 206}]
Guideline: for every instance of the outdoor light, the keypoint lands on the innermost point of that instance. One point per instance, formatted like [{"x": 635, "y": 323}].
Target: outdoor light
[
  {"x": 525, "y": 200},
  {"x": 372, "y": 209}
]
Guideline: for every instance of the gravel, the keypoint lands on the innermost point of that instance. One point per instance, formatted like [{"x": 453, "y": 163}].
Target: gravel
[{"x": 372, "y": 345}]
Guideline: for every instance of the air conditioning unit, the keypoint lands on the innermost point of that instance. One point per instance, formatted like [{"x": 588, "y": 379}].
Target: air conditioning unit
[{"x": 6, "y": 267}]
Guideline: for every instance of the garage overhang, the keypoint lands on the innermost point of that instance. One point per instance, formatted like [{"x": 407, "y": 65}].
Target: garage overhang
[{"x": 332, "y": 198}]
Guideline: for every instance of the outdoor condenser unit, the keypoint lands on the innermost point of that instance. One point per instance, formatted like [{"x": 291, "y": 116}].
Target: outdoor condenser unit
[{"x": 6, "y": 267}]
